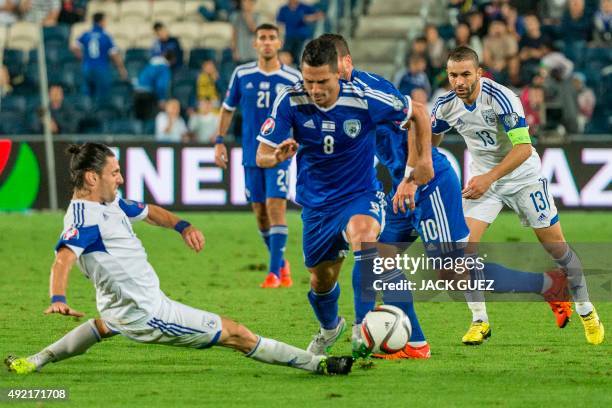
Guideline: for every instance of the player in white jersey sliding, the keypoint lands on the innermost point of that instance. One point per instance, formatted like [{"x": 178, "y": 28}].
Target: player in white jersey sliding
[
  {"x": 506, "y": 170},
  {"x": 98, "y": 234}
]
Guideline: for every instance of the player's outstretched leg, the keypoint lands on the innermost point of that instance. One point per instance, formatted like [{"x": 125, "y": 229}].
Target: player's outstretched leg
[
  {"x": 323, "y": 297},
  {"x": 74, "y": 343},
  {"x": 271, "y": 351}
]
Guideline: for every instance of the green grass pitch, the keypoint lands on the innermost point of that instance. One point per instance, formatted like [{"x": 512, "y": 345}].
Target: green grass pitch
[{"x": 527, "y": 362}]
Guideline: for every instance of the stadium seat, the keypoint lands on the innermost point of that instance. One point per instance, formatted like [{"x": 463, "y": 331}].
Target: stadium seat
[
  {"x": 385, "y": 70},
  {"x": 398, "y": 27},
  {"x": 217, "y": 35},
  {"x": 198, "y": 55},
  {"x": 14, "y": 60},
  {"x": 13, "y": 103},
  {"x": 106, "y": 113},
  {"x": 167, "y": 11},
  {"x": 379, "y": 50},
  {"x": 137, "y": 54},
  {"x": 141, "y": 34},
  {"x": 122, "y": 34},
  {"x": 226, "y": 55},
  {"x": 134, "y": 67},
  {"x": 269, "y": 9},
  {"x": 190, "y": 11},
  {"x": 135, "y": 10},
  {"x": 188, "y": 33},
  {"x": 3, "y": 35},
  {"x": 394, "y": 7},
  {"x": 121, "y": 97},
  {"x": 11, "y": 124},
  {"x": 121, "y": 127},
  {"x": 77, "y": 30},
  {"x": 58, "y": 33},
  {"x": 184, "y": 92},
  {"x": 23, "y": 35},
  {"x": 185, "y": 74},
  {"x": 109, "y": 8},
  {"x": 79, "y": 102},
  {"x": 90, "y": 124}
]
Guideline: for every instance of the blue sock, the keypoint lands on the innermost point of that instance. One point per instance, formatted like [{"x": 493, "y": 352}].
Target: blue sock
[
  {"x": 510, "y": 280},
  {"x": 325, "y": 306},
  {"x": 278, "y": 241},
  {"x": 403, "y": 300},
  {"x": 364, "y": 295},
  {"x": 265, "y": 235}
]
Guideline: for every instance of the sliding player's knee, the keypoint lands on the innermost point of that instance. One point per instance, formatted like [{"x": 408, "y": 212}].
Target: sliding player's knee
[
  {"x": 103, "y": 328},
  {"x": 237, "y": 336}
]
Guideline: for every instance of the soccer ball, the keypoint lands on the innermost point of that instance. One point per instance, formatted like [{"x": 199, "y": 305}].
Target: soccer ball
[{"x": 386, "y": 329}]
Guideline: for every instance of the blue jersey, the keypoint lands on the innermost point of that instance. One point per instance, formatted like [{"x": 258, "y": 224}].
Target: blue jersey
[
  {"x": 391, "y": 140},
  {"x": 254, "y": 91},
  {"x": 335, "y": 161},
  {"x": 96, "y": 46}
]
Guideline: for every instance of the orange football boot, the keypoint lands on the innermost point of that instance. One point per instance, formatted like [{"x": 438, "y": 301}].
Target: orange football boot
[
  {"x": 285, "y": 275},
  {"x": 409, "y": 352},
  {"x": 271, "y": 282},
  {"x": 558, "y": 297}
]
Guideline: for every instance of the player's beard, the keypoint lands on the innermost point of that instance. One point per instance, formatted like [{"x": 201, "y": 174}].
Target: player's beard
[{"x": 470, "y": 90}]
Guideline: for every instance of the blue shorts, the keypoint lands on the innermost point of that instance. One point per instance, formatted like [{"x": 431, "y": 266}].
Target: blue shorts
[
  {"x": 323, "y": 234},
  {"x": 261, "y": 184},
  {"x": 438, "y": 217}
]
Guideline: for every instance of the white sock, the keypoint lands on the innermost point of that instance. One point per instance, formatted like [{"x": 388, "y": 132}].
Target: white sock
[
  {"x": 546, "y": 284},
  {"x": 475, "y": 298},
  {"x": 275, "y": 352},
  {"x": 572, "y": 266},
  {"x": 74, "y": 343}
]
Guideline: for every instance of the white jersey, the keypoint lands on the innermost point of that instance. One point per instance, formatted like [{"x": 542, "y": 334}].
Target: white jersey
[
  {"x": 485, "y": 127},
  {"x": 110, "y": 254}
]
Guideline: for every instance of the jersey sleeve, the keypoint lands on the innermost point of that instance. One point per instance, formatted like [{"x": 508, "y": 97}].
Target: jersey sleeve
[
  {"x": 232, "y": 96},
  {"x": 510, "y": 113},
  {"x": 277, "y": 126},
  {"x": 438, "y": 124},
  {"x": 388, "y": 105},
  {"x": 81, "y": 239},
  {"x": 136, "y": 211}
]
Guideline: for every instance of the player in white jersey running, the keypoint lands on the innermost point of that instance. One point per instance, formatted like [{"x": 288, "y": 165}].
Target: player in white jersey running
[
  {"x": 506, "y": 170},
  {"x": 98, "y": 234}
]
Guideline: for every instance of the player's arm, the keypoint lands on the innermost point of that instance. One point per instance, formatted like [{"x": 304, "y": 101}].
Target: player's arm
[
  {"x": 423, "y": 167},
  {"x": 275, "y": 145},
  {"x": 225, "y": 120},
  {"x": 192, "y": 236},
  {"x": 58, "y": 283},
  {"x": 268, "y": 156}
]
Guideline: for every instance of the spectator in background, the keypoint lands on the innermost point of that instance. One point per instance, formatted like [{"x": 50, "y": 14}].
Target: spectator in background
[
  {"x": 286, "y": 58},
  {"x": 40, "y": 11},
  {"x": 476, "y": 23},
  {"x": 419, "y": 95},
  {"x": 244, "y": 22},
  {"x": 165, "y": 42},
  {"x": 514, "y": 21},
  {"x": 5, "y": 82},
  {"x": 8, "y": 12},
  {"x": 576, "y": 29},
  {"x": 221, "y": 11},
  {"x": 169, "y": 125},
  {"x": 465, "y": 38},
  {"x": 500, "y": 51},
  {"x": 436, "y": 49},
  {"x": 63, "y": 117},
  {"x": 602, "y": 25},
  {"x": 561, "y": 101},
  {"x": 532, "y": 47},
  {"x": 585, "y": 98},
  {"x": 532, "y": 99},
  {"x": 297, "y": 19},
  {"x": 204, "y": 122},
  {"x": 72, "y": 11},
  {"x": 206, "y": 84},
  {"x": 152, "y": 87},
  {"x": 97, "y": 49},
  {"x": 414, "y": 76}
]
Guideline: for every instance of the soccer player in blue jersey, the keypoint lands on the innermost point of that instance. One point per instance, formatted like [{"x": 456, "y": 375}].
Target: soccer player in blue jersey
[
  {"x": 98, "y": 235},
  {"x": 253, "y": 87},
  {"x": 436, "y": 214},
  {"x": 334, "y": 124}
]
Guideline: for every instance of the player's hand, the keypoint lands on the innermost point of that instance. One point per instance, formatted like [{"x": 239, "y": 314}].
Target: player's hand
[
  {"x": 423, "y": 173},
  {"x": 64, "y": 309},
  {"x": 404, "y": 195},
  {"x": 477, "y": 186},
  {"x": 285, "y": 150},
  {"x": 194, "y": 238},
  {"x": 221, "y": 155}
]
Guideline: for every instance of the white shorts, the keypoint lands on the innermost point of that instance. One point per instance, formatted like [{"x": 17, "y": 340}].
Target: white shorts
[
  {"x": 175, "y": 324},
  {"x": 533, "y": 203}
]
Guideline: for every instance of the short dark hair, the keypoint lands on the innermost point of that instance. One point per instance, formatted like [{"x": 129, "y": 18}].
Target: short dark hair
[
  {"x": 158, "y": 26},
  {"x": 97, "y": 18},
  {"x": 84, "y": 158},
  {"x": 463, "y": 53},
  {"x": 339, "y": 41},
  {"x": 267, "y": 26},
  {"x": 319, "y": 52}
]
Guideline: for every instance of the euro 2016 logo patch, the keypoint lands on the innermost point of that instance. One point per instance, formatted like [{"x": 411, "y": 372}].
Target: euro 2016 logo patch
[
  {"x": 268, "y": 127},
  {"x": 352, "y": 127},
  {"x": 489, "y": 117},
  {"x": 72, "y": 233},
  {"x": 397, "y": 104},
  {"x": 511, "y": 120}
]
